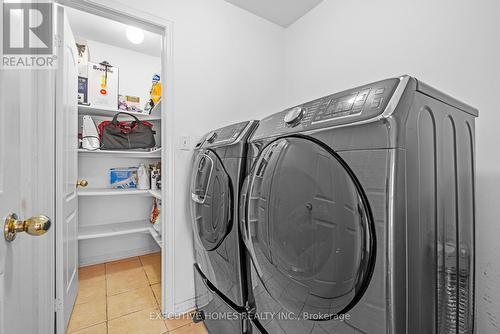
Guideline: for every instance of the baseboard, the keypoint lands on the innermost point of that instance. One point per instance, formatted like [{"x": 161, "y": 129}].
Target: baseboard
[{"x": 116, "y": 256}]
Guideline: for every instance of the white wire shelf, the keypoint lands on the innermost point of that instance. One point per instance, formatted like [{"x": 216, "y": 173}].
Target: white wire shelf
[
  {"x": 154, "y": 154},
  {"x": 92, "y": 192},
  {"x": 111, "y": 192},
  {"x": 109, "y": 112},
  {"x": 113, "y": 229}
]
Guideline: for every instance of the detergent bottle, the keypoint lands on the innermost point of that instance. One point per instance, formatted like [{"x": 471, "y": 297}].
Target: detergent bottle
[
  {"x": 156, "y": 89},
  {"x": 154, "y": 93}
]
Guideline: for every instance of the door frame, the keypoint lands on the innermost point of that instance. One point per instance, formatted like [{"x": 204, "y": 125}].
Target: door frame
[{"x": 120, "y": 12}]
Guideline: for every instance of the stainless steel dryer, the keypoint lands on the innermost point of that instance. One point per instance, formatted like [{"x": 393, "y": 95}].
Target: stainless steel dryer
[
  {"x": 358, "y": 213},
  {"x": 218, "y": 173}
]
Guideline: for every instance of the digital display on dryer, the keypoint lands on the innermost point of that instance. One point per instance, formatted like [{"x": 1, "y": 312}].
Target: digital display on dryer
[
  {"x": 338, "y": 107},
  {"x": 342, "y": 104},
  {"x": 347, "y": 105}
]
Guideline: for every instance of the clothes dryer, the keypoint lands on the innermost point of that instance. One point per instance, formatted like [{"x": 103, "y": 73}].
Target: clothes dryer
[{"x": 358, "y": 213}]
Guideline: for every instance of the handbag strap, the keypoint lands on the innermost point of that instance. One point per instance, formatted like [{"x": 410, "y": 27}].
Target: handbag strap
[{"x": 115, "y": 118}]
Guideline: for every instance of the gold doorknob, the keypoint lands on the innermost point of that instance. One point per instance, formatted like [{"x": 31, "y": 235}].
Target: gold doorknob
[
  {"x": 36, "y": 226},
  {"x": 82, "y": 183}
]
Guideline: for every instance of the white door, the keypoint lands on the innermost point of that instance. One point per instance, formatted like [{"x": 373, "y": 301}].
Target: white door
[
  {"x": 66, "y": 173},
  {"x": 27, "y": 189}
]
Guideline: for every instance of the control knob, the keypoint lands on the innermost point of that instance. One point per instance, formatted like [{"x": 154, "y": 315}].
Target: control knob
[{"x": 293, "y": 116}]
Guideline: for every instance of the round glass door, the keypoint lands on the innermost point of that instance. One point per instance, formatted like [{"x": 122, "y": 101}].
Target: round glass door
[
  {"x": 211, "y": 201},
  {"x": 308, "y": 228}
]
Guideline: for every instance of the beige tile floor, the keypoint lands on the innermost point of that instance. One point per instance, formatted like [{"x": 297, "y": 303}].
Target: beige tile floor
[{"x": 125, "y": 297}]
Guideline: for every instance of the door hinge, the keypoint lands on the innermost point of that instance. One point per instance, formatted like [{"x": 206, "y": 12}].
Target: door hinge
[{"x": 58, "y": 305}]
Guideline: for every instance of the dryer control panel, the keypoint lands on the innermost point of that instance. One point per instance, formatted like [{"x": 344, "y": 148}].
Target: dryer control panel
[{"x": 349, "y": 106}]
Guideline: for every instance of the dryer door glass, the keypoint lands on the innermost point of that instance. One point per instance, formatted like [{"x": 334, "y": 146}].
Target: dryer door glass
[
  {"x": 211, "y": 201},
  {"x": 309, "y": 228}
]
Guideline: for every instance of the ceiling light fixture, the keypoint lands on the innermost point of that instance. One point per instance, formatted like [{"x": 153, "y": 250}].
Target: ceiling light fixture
[{"x": 135, "y": 35}]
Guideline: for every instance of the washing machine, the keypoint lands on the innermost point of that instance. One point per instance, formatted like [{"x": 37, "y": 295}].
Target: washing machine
[
  {"x": 358, "y": 214},
  {"x": 220, "y": 278}
]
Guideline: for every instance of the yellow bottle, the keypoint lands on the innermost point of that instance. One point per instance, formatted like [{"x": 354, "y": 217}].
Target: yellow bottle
[{"x": 156, "y": 89}]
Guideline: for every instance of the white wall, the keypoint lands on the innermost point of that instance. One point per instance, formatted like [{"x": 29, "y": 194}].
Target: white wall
[
  {"x": 228, "y": 67},
  {"x": 136, "y": 69},
  {"x": 450, "y": 44}
]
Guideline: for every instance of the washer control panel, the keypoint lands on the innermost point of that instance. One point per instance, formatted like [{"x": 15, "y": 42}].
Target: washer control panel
[
  {"x": 223, "y": 135},
  {"x": 353, "y": 105}
]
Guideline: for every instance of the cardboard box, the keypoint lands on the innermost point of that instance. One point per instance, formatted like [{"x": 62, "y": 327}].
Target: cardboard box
[{"x": 103, "y": 86}]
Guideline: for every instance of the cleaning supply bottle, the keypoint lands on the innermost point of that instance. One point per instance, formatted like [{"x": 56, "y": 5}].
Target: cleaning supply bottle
[
  {"x": 156, "y": 89},
  {"x": 142, "y": 177},
  {"x": 154, "y": 93}
]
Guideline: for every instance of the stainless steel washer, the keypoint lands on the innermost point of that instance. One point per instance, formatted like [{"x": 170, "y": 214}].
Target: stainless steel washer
[{"x": 217, "y": 176}]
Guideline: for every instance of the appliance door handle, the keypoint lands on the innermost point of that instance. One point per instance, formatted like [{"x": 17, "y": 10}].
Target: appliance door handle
[
  {"x": 201, "y": 198},
  {"x": 198, "y": 198},
  {"x": 245, "y": 222},
  {"x": 245, "y": 233}
]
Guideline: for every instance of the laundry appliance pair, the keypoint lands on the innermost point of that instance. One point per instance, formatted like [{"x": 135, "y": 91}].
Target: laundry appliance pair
[{"x": 356, "y": 215}]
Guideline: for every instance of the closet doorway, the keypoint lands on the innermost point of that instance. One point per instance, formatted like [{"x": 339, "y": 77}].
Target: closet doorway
[{"x": 113, "y": 170}]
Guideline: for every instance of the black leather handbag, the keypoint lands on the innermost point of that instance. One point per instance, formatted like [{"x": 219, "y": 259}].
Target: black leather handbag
[{"x": 122, "y": 135}]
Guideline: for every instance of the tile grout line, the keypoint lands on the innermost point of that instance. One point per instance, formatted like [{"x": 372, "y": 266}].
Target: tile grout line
[
  {"x": 150, "y": 288},
  {"x": 154, "y": 296},
  {"x": 158, "y": 303}
]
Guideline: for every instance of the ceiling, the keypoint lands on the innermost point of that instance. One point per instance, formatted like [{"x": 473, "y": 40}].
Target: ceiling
[
  {"x": 282, "y": 12},
  {"x": 100, "y": 29}
]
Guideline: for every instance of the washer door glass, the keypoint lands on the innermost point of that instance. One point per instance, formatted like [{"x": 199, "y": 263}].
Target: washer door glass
[
  {"x": 309, "y": 228},
  {"x": 211, "y": 202}
]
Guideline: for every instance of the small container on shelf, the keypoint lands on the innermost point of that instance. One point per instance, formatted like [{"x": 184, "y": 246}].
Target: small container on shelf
[
  {"x": 155, "y": 217},
  {"x": 123, "y": 178},
  {"x": 142, "y": 177},
  {"x": 130, "y": 104},
  {"x": 155, "y": 176}
]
